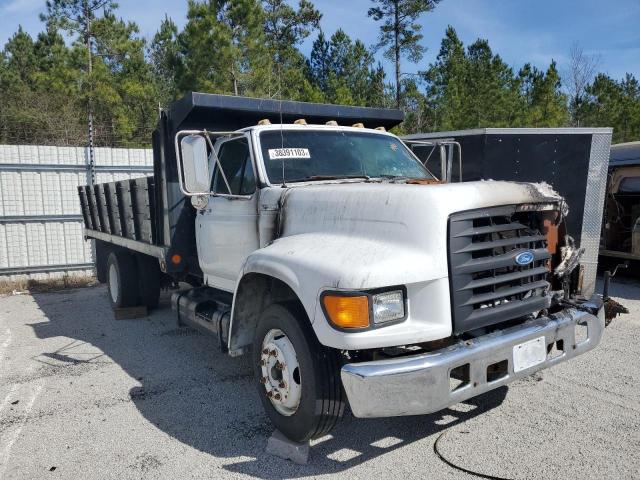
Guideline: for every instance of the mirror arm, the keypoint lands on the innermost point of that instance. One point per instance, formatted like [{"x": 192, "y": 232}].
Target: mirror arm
[
  {"x": 215, "y": 156},
  {"x": 449, "y": 164},
  {"x": 412, "y": 143},
  {"x": 457, "y": 144},
  {"x": 433, "y": 149},
  {"x": 444, "y": 163},
  {"x": 446, "y": 156}
]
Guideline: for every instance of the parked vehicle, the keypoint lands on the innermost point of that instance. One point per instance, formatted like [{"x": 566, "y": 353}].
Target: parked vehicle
[
  {"x": 318, "y": 243},
  {"x": 621, "y": 226}
]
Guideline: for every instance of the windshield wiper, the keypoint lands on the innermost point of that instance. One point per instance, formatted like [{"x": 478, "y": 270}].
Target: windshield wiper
[
  {"x": 328, "y": 177},
  {"x": 392, "y": 177}
]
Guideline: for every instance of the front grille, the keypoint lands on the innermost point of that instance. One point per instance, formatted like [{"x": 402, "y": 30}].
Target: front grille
[{"x": 487, "y": 285}]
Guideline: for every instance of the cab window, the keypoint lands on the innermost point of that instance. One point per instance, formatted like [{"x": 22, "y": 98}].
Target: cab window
[{"x": 236, "y": 163}]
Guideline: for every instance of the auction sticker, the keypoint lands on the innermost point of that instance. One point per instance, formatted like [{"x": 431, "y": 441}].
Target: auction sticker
[{"x": 284, "y": 153}]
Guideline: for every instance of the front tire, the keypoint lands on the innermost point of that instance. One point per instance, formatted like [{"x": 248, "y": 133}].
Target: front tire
[{"x": 297, "y": 378}]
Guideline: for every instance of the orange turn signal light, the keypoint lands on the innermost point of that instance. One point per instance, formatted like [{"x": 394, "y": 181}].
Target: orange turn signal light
[
  {"x": 176, "y": 258},
  {"x": 347, "y": 311}
]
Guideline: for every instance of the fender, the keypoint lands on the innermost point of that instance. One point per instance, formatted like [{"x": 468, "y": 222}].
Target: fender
[{"x": 310, "y": 263}]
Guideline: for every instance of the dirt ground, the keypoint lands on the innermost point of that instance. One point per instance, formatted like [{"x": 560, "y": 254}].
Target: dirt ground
[{"x": 87, "y": 396}]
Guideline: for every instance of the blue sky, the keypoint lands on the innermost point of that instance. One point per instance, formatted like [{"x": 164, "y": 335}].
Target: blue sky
[{"x": 520, "y": 31}]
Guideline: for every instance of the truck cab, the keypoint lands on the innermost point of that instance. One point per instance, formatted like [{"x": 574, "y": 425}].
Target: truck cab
[{"x": 351, "y": 274}]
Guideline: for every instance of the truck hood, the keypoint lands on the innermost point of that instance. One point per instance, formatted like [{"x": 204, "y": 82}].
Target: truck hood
[
  {"x": 396, "y": 211},
  {"x": 358, "y": 224}
]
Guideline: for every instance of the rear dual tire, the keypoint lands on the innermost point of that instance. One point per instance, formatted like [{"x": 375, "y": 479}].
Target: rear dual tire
[
  {"x": 122, "y": 279},
  {"x": 102, "y": 257},
  {"x": 133, "y": 280},
  {"x": 149, "y": 281}
]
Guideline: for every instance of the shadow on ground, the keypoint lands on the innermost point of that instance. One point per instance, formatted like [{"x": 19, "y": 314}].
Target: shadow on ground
[{"x": 207, "y": 400}]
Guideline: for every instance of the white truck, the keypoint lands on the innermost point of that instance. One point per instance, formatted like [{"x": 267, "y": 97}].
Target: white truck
[{"x": 323, "y": 247}]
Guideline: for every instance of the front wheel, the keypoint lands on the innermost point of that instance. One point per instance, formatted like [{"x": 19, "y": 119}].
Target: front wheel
[{"x": 298, "y": 379}]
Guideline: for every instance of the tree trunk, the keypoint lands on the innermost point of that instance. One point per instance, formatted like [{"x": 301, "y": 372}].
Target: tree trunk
[
  {"x": 87, "y": 14},
  {"x": 396, "y": 31},
  {"x": 235, "y": 81}
]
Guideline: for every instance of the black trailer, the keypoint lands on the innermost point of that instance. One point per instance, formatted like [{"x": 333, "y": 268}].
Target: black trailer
[
  {"x": 151, "y": 216},
  {"x": 572, "y": 160}
]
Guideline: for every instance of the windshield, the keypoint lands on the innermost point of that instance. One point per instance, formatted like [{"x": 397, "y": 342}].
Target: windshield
[{"x": 318, "y": 155}]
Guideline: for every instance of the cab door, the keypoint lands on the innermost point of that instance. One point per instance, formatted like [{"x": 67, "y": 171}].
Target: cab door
[{"x": 227, "y": 229}]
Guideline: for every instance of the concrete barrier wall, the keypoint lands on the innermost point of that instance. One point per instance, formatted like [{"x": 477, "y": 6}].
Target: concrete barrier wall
[{"x": 40, "y": 220}]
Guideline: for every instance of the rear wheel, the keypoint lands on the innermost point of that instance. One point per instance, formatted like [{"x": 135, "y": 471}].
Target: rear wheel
[
  {"x": 150, "y": 280},
  {"x": 102, "y": 255},
  {"x": 122, "y": 279},
  {"x": 298, "y": 379}
]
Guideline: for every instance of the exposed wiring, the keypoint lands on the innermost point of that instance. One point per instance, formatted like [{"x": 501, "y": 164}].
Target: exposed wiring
[{"x": 457, "y": 467}]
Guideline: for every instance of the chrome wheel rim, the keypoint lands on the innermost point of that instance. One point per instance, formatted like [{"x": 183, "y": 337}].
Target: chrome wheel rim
[
  {"x": 113, "y": 283},
  {"x": 280, "y": 372}
]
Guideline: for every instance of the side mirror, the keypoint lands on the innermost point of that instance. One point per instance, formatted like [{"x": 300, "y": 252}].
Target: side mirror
[{"x": 195, "y": 165}]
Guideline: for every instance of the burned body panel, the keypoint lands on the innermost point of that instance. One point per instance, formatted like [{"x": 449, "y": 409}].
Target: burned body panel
[{"x": 572, "y": 160}]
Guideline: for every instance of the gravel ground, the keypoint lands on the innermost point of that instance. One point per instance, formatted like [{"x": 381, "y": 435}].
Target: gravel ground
[{"x": 87, "y": 396}]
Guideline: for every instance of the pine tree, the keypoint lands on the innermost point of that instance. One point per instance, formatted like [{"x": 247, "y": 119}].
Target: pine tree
[
  {"x": 446, "y": 83},
  {"x": 343, "y": 70},
  {"x": 611, "y": 103},
  {"x": 400, "y": 33},
  {"x": 476, "y": 88},
  {"x": 545, "y": 104},
  {"x": 20, "y": 59},
  {"x": 492, "y": 95},
  {"x": 285, "y": 28},
  {"x": 115, "y": 83},
  {"x": 244, "y": 19},
  {"x": 205, "y": 43},
  {"x": 38, "y": 85},
  {"x": 320, "y": 61},
  {"x": 16, "y": 81},
  {"x": 166, "y": 61},
  {"x": 377, "y": 93}
]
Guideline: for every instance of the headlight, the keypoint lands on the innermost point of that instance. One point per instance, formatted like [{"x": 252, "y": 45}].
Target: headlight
[
  {"x": 388, "y": 306},
  {"x": 363, "y": 310}
]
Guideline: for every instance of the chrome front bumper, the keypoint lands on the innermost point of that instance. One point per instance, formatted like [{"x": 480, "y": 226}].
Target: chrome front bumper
[{"x": 420, "y": 384}]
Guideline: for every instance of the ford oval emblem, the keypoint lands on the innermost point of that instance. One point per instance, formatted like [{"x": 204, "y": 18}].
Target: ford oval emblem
[{"x": 524, "y": 258}]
